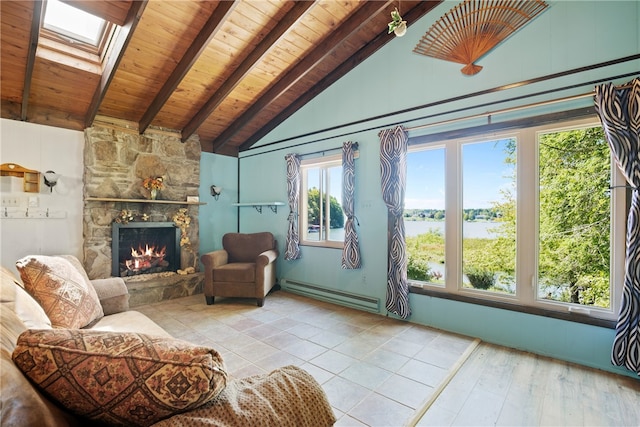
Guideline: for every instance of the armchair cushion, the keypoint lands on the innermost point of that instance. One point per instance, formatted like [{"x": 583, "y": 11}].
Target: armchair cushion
[
  {"x": 236, "y": 272},
  {"x": 246, "y": 247}
]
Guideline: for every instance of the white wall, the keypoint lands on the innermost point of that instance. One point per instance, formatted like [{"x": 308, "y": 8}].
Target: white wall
[{"x": 41, "y": 148}]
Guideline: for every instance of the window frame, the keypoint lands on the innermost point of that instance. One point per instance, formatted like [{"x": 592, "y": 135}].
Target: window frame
[
  {"x": 527, "y": 211},
  {"x": 324, "y": 164}
]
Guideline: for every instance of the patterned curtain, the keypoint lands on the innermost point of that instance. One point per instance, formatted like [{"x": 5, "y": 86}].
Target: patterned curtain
[
  {"x": 619, "y": 111},
  {"x": 292, "y": 250},
  {"x": 351, "y": 250},
  {"x": 393, "y": 167}
]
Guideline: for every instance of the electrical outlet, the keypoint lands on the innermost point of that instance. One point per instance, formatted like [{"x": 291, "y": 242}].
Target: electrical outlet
[
  {"x": 8, "y": 201},
  {"x": 34, "y": 202}
]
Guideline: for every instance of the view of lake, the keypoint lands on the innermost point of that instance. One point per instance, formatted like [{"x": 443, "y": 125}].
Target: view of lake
[{"x": 475, "y": 229}]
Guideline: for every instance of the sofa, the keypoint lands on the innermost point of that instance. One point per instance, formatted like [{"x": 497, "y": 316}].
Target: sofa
[{"x": 121, "y": 368}]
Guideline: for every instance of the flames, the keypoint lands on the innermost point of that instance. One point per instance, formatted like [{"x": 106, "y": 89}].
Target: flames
[{"x": 144, "y": 259}]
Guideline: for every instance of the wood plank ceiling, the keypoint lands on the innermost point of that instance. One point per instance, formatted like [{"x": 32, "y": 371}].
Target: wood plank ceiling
[{"x": 228, "y": 71}]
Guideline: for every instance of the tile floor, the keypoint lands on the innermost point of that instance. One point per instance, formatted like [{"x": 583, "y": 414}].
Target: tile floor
[{"x": 376, "y": 371}]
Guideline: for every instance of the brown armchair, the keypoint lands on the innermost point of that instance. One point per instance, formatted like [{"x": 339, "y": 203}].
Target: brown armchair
[{"x": 245, "y": 267}]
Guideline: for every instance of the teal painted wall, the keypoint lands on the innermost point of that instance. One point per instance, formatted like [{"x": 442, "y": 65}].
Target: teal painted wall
[
  {"x": 217, "y": 217},
  {"x": 566, "y": 36}
]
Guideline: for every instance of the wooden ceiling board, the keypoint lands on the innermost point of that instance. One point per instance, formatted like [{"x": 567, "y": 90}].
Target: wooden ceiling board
[
  {"x": 14, "y": 47},
  {"x": 154, "y": 51},
  {"x": 200, "y": 83},
  {"x": 58, "y": 86},
  {"x": 228, "y": 44}
]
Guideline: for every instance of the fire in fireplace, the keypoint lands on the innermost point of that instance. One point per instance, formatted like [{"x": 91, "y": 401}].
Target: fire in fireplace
[{"x": 144, "y": 248}]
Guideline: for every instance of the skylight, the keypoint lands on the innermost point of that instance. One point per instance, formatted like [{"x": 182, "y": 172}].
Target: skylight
[{"x": 73, "y": 23}]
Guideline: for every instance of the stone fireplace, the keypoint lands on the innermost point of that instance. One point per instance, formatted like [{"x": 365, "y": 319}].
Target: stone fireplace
[{"x": 117, "y": 161}]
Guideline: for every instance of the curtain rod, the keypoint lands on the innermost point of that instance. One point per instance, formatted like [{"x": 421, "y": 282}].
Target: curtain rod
[
  {"x": 518, "y": 108},
  {"x": 354, "y": 145},
  {"x": 502, "y": 111},
  {"x": 471, "y": 95},
  {"x": 386, "y": 125}
]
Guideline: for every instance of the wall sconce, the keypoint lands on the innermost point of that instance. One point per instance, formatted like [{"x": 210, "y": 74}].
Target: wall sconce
[
  {"x": 216, "y": 191},
  {"x": 51, "y": 179}
]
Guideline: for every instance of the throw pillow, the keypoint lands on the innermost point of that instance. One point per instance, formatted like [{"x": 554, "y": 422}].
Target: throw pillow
[
  {"x": 14, "y": 298},
  {"x": 120, "y": 378},
  {"x": 61, "y": 289}
]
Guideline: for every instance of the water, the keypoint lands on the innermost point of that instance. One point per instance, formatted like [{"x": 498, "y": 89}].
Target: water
[{"x": 474, "y": 230}]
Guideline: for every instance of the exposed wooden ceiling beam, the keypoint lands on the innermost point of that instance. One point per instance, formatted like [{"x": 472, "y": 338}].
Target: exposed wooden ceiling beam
[
  {"x": 211, "y": 27},
  {"x": 358, "y": 20},
  {"x": 31, "y": 57},
  {"x": 120, "y": 44},
  {"x": 292, "y": 16},
  {"x": 383, "y": 38}
]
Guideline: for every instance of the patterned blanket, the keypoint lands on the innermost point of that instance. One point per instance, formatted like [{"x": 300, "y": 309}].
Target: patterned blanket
[{"x": 288, "y": 396}]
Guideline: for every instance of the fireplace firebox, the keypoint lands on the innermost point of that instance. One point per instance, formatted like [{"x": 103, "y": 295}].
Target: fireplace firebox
[{"x": 144, "y": 248}]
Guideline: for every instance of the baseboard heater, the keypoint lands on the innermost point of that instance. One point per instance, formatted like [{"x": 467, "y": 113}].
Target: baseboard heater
[{"x": 332, "y": 295}]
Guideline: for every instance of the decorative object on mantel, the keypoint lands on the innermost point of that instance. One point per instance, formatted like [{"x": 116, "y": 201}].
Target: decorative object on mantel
[
  {"x": 124, "y": 217},
  {"x": 474, "y": 27},
  {"x": 182, "y": 220},
  {"x": 127, "y": 216},
  {"x": 153, "y": 185},
  {"x": 397, "y": 25}
]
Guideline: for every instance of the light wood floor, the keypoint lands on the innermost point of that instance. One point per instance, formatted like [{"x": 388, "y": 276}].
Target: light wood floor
[{"x": 506, "y": 387}]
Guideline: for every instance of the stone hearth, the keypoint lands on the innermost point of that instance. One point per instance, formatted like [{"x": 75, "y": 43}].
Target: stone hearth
[
  {"x": 162, "y": 286},
  {"x": 116, "y": 162}
]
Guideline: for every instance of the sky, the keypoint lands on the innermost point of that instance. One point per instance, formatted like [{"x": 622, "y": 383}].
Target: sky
[
  {"x": 76, "y": 21},
  {"x": 484, "y": 174}
]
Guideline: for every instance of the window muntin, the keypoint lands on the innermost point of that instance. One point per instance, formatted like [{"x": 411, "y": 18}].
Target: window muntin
[
  {"x": 321, "y": 216},
  {"x": 526, "y": 230}
]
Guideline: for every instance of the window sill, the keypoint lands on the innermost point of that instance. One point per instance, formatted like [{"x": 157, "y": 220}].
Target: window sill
[
  {"x": 537, "y": 311},
  {"x": 338, "y": 245}
]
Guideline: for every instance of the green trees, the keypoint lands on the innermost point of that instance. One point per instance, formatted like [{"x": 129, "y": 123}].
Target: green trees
[
  {"x": 336, "y": 216},
  {"x": 574, "y": 223}
]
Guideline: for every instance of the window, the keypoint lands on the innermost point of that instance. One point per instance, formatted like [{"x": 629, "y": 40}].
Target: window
[
  {"x": 75, "y": 33},
  {"x": 424, "y": 215},
  {"x": 73, "y": 23},
  {"x": 534, "y": 218},
  {"x": 321, "y": 216}
]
